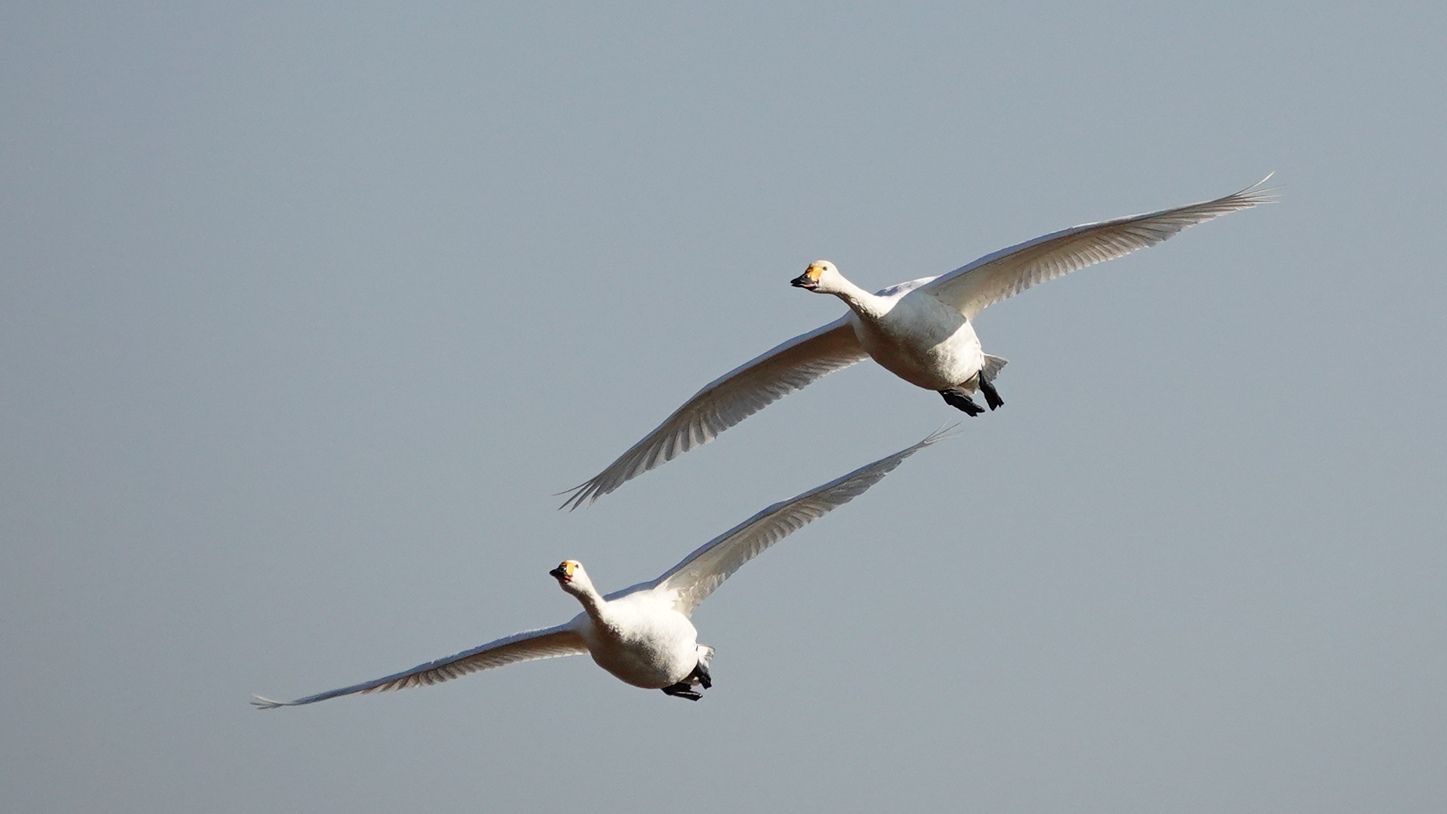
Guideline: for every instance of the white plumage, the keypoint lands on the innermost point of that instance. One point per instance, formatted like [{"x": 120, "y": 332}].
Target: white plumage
[
  {"x": 643, "y": 634},
  {"x": 921, "y": 330}
]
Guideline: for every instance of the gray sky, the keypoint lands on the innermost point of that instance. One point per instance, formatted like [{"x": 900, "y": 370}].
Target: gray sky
[{"x": 305, "y": 314}]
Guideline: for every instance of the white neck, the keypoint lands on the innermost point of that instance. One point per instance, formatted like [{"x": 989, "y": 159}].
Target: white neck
[
  {"x": 592, "y": 601},
  {"x": 867, "y": 305}
]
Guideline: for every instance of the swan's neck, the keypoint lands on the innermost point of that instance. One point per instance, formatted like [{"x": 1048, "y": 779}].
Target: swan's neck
[
  {"x": 868, "y": 306},
  {"x": 593, "y": 602}
]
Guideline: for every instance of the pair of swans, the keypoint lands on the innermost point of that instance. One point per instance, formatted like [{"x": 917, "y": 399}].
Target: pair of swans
[{"x": 919, "y": 330}]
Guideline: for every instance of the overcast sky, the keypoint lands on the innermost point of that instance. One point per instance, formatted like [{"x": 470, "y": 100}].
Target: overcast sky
[{"x": 307, "y": 310}]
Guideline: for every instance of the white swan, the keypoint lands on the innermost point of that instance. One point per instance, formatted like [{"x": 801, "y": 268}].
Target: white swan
[
  {"x": 642, "y": 634},
  {"x": 919, "y": 330}
]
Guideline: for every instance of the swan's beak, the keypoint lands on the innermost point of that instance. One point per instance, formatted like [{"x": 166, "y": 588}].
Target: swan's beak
[
  {"x": 560, "y": 575},
  {"x": 805, "y": 282}
]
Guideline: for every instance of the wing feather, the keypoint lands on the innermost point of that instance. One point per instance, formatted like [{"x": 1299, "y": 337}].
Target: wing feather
[
  {"x": 701, "y": 572},
  {"x": 547, "y": 643},
  {"x": 1005, "y": 273},
  {"x": 726, "y": 401}
]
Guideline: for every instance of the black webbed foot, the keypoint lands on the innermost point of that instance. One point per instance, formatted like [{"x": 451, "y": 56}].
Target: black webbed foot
[
  {"x": 683, "y": 689},
  {"x": 960, "y": 400},
  {"x": 992, "y": 396}
]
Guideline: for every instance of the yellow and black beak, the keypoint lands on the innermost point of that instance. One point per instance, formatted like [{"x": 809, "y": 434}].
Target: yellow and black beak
[
  {"x": 564, "y": 572},
  {"x": 808, "y": 281}
]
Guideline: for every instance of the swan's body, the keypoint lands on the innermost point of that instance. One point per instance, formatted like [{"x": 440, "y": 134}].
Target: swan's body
[
  {"x": 922, "y": 331},
  {"x": 643, "y": 640},
  {"x": 917, "y": 338},
  {"x": 643, "y": 635}
]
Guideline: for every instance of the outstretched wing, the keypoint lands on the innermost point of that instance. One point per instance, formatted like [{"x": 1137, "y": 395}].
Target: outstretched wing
[
  {"x": 535, "y": 644},
  {"x": 701, "y": 572},
  {"x": 728, "y": 400},
  {"x": 1007, "y": 272}
]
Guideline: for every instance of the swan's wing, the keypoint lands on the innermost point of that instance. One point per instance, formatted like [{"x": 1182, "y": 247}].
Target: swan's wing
[
  {"x": 1007, "y": 272},
  {"x": 535, "y": 644},
  {"x": 727, "y": 400},
  {"x": 701, "y": 572}
]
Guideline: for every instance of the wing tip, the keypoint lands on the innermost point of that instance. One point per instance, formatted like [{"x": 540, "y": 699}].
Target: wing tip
[
  {"x": 584, "y": 494},
  {"x": 1259, "y": 193},
  {"x": 944, "y": 432},
  {"x": 262, "y": 702},
  {"x": 575, "y": 497}
]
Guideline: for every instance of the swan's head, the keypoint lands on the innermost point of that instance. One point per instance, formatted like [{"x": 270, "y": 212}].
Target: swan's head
[
  {"x": 571, "y": 577},
  {"x": 820, "y": 276}
]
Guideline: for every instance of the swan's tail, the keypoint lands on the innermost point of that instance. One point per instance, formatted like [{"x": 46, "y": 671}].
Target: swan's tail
[{"x": 993, "y": 365}]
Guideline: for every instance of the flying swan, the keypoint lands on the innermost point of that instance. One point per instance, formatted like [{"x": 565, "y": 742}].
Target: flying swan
[
  {"x": 642, "y": 634},
  {"x": 919, "y": 330}
]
